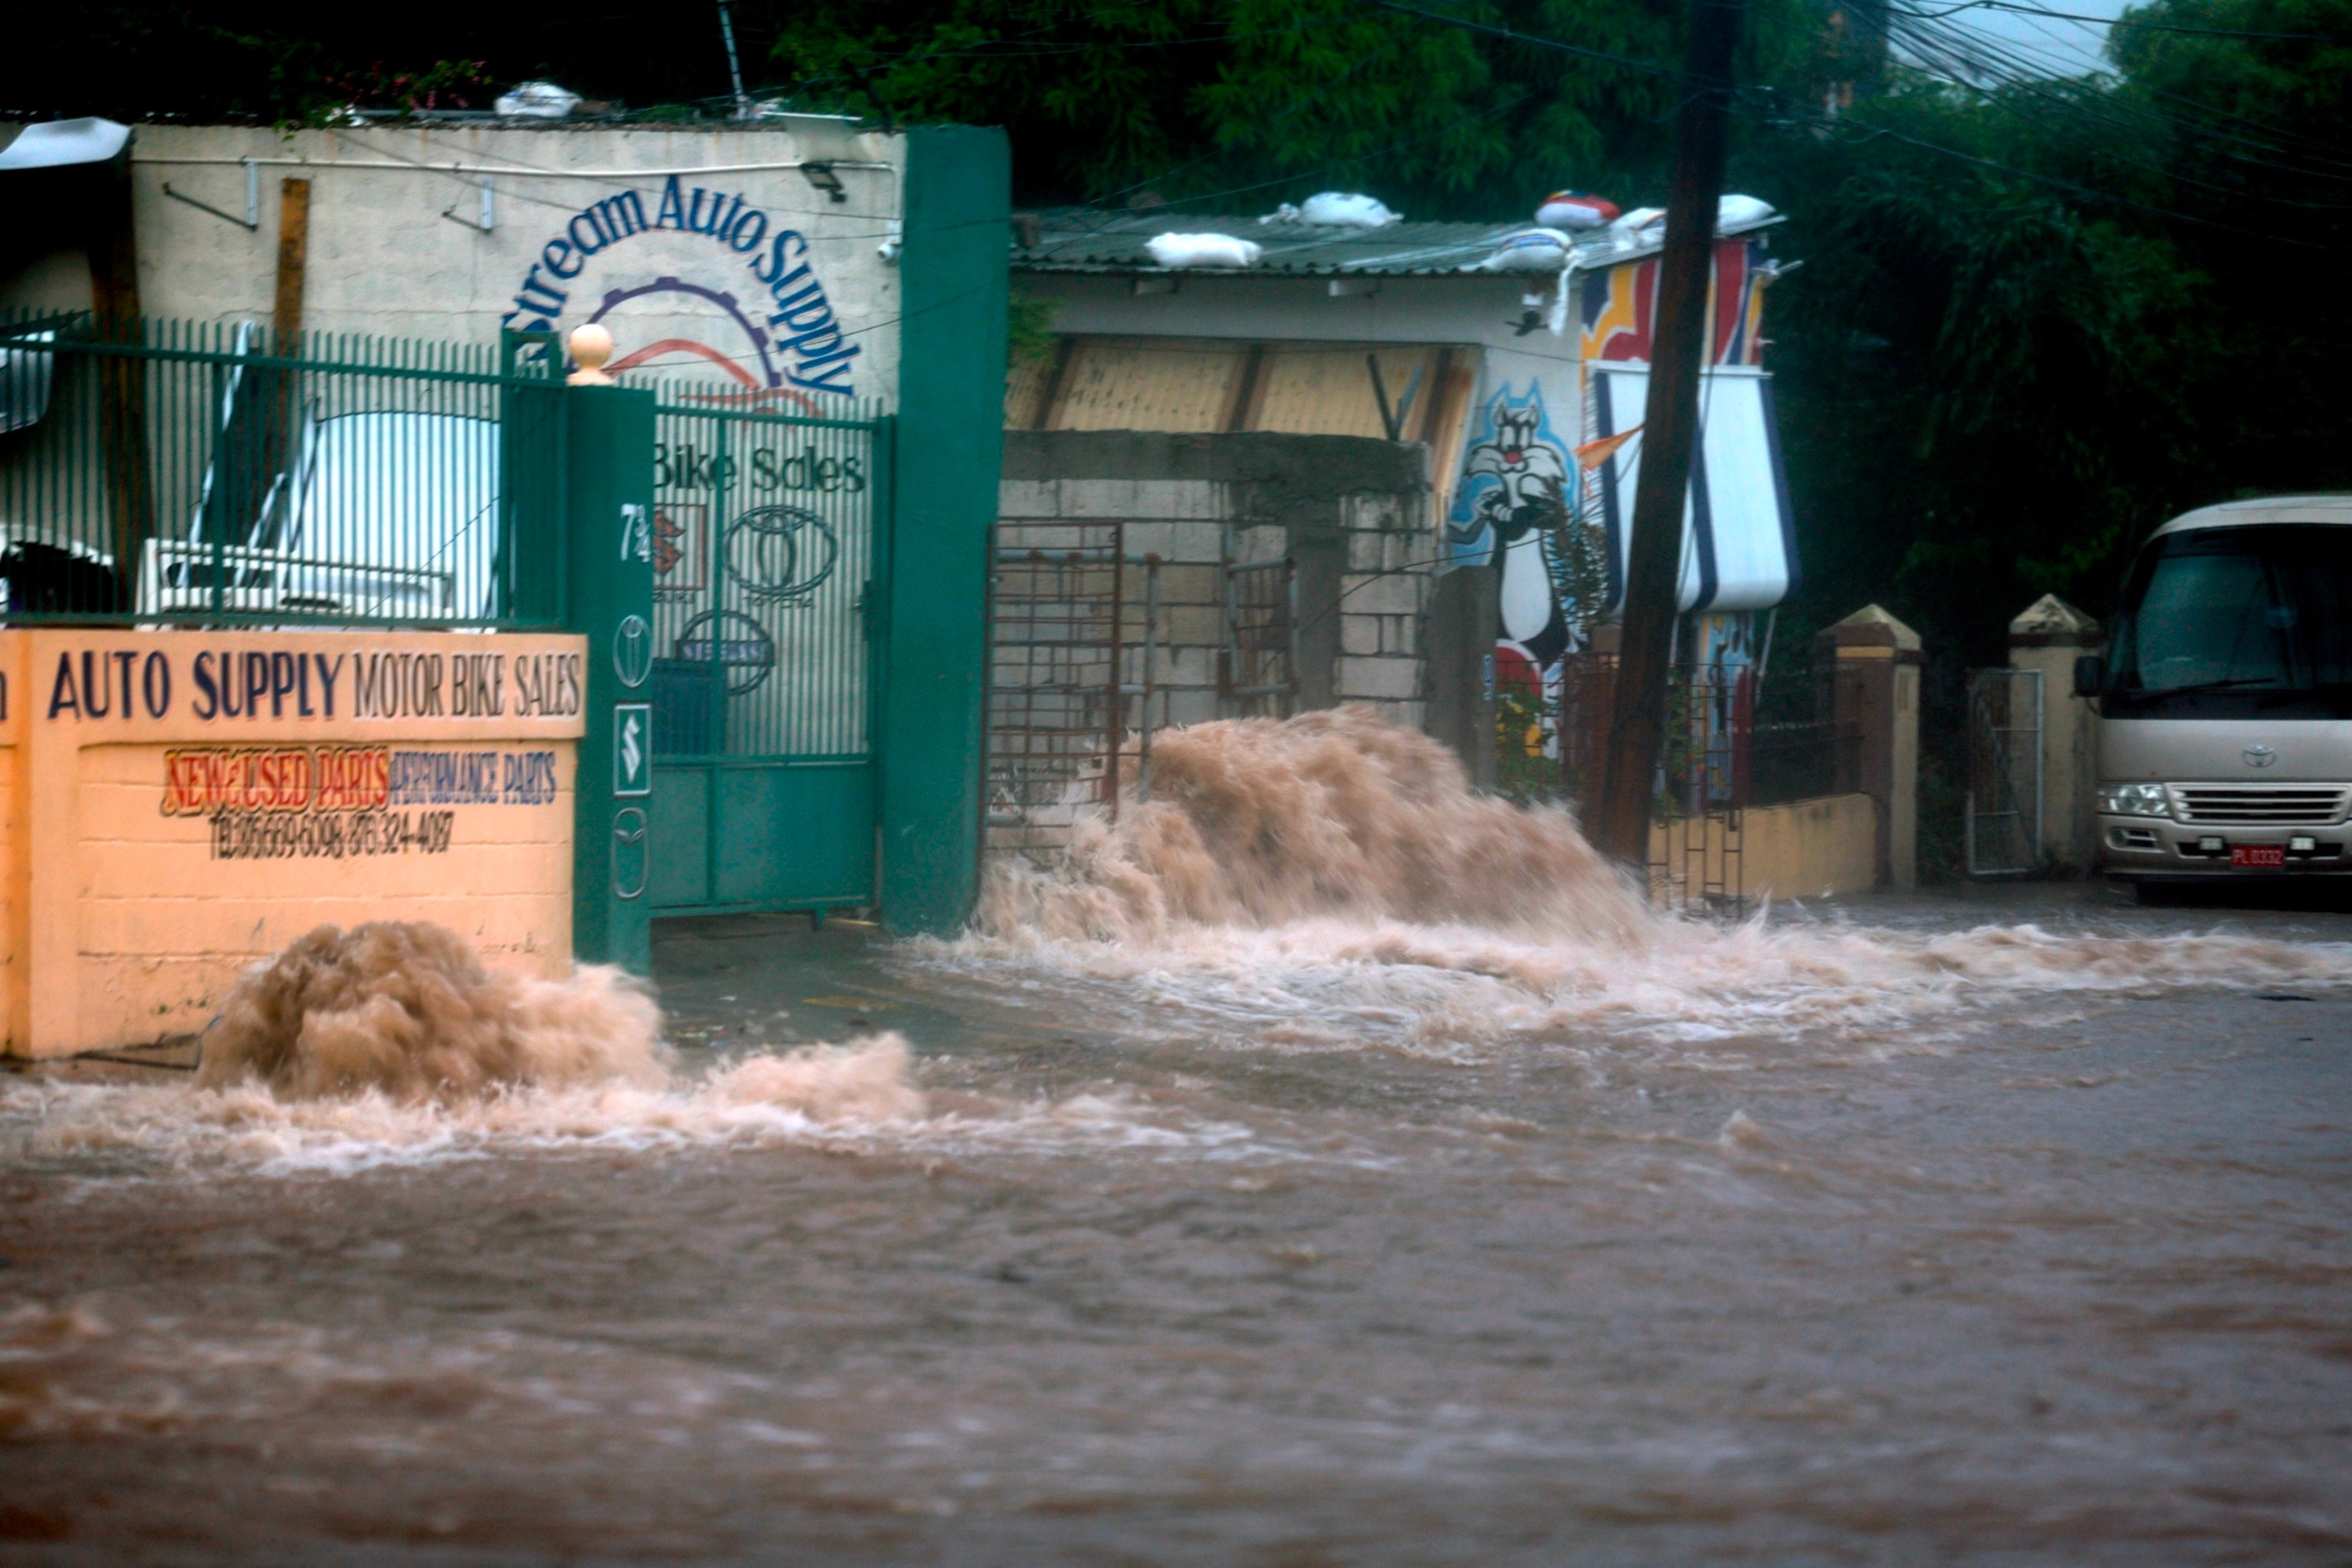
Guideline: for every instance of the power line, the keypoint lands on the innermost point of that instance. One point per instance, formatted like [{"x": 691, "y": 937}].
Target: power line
[
  {"x": 1776, "y": 113},
  {"x": 2017, "y": 6},
  {"x": 1973, "y": 61}
]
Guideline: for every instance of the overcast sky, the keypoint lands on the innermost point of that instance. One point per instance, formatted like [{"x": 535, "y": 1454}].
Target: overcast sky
[{"x": 2064, "y": 49}]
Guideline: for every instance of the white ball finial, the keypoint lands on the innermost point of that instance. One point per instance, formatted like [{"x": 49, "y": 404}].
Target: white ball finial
[{"x": 591, "y": 345}]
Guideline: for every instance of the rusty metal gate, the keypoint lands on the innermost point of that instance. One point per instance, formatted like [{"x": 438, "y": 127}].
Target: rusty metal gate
[
  {"x": 1094, "y": 648},
  {"x": 2003, "y": 831},
  {"x": 768, "y": 561}
]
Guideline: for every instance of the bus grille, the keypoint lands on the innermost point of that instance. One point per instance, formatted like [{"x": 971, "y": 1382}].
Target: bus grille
[{"x": 2282, "y": 805}]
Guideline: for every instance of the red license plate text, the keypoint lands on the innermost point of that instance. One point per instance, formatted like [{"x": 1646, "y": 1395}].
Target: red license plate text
[{"x": 2258, "y": 857}]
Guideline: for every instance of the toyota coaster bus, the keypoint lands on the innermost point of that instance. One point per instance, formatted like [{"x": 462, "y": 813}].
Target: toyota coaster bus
[{"x": 2225, "y": 742}]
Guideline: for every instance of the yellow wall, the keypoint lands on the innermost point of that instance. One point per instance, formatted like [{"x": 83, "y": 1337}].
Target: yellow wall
[
  {"x": 1808, "y": 848},
  {"x": 12, "y": 839},
  {"x": 151, "y": 855},
  {"x": 1801, "y": 849}
]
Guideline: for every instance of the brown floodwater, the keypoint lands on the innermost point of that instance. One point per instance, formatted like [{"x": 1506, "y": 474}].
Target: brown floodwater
[{"x": 1422, "y": 1201}]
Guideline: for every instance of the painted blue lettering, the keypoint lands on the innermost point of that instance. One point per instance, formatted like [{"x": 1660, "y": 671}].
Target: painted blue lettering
[
  {"x": 805, "y": 319},
  {"x": 555, "y": 254},
  {"x": 743, "y": 236},
  {"x": 847, "y": 350},
  {"x": 549, "y": 302},
  {"x": 155, "y": 684},
  {"x": 617, "y": 217},
  {"x": 815, "y": 345},
  {"x": 63, "y": 693},
  {"x": 93, "y": 688},
  {"x": 774, "y": 262},
  {"x": 282, "y": 682},
  {"x": 208, "y": 695},
  {"x": 673, "y": 206},
  {"x": 834, "y": 379},
  {"x": 328, "y": 675}
]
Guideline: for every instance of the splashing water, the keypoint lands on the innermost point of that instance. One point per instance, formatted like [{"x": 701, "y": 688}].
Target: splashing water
[
  {"x": 408, "y": 1011},
  {"x": 1261, "y": 822},
  {"x": 394, "y": 1043},
  {"x": 1332, "y": 880}
]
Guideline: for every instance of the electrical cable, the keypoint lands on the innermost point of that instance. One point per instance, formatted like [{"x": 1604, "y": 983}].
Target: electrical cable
[{"x": 2015, "y": 5}]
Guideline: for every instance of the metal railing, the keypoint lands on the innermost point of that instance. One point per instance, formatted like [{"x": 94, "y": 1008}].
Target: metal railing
[
  {"x": 1716, "y": 762},
  {"x": 195, "y": 474},
  {"x": 2001, "y": 836}
]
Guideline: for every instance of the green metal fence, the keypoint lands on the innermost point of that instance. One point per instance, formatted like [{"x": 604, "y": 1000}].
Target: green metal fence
[{"x": 200, "y": 476}]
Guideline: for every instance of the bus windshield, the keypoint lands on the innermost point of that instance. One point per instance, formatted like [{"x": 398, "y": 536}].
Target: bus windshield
[{"x": 2237, "y": 622}]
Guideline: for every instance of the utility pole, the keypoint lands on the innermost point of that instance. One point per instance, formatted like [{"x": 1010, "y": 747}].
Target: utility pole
[
  {"x": 734, "y": 71},
  {"x": 1678, "y": 346}
]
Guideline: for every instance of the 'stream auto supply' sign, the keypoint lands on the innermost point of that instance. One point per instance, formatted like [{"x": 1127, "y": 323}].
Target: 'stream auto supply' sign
[{"x": 761, "y": 313}]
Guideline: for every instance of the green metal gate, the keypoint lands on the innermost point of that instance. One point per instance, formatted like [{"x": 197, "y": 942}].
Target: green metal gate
[{"x": 761, "y": 665}]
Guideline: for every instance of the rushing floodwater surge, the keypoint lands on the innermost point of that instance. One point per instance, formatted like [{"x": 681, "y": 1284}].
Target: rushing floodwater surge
[{"x": 1325, "y": 1165}]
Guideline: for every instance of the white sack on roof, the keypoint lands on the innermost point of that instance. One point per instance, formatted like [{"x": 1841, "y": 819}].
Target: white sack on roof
[
  {"x": 1335, "y": 209},
  {"x": 538, "y": 101},
  {"x": 1634, "y": 225},
  {"x": 1173, "y": 250},
  {"x": 1573, "y": 209},
  {"x": 55, "y": 143},
  {"x": 1529, "y": 250},
  {"x": 1644, "y": 225}
]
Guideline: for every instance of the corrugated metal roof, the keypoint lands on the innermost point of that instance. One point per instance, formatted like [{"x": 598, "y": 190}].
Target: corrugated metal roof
[{"x": 1081, "y": 239}]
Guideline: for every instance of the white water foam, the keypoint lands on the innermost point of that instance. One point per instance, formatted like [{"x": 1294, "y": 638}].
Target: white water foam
[{"x": 1331, "y": 881}]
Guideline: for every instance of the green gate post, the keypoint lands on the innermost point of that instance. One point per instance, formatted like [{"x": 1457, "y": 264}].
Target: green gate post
[
  {"x": 949, "y": 451},
  {"x": 609, "y": 435}
]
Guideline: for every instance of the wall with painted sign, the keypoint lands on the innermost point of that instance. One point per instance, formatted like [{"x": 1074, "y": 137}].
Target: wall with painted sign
[
  {"x": 174, "y": 806},
  {"x": 764, "y": 261}
]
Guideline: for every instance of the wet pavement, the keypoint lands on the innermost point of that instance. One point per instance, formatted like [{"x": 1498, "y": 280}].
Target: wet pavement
[{"x": 1892, "y": 1237}]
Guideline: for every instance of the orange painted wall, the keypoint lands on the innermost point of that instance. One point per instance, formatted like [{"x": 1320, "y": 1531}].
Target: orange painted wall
[{"x": 259, "y": 784}]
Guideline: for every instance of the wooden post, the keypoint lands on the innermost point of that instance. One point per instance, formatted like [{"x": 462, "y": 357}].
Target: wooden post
[
  {"x": 285, "y": 338},
  {"x": 1679, "y": 347},
  {"x": 293, "y": 258},
  {"x": 122, "y": 382}
]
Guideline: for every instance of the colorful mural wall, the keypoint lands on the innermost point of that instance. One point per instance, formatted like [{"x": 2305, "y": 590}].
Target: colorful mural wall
[{"x": 1529, "y": 501}]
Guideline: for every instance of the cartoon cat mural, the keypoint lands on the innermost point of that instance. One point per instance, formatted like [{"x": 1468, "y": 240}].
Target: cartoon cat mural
[{"x": 1517, "y": 488}]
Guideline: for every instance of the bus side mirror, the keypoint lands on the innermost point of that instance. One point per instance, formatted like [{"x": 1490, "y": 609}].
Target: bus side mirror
[{"x": 2090, "y": 675}]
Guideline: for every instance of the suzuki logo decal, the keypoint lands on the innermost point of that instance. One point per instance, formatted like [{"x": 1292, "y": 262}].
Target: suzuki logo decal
[{"x": 2260, "y": 756}]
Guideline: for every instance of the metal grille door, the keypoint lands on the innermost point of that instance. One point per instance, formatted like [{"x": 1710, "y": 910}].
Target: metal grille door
[
  {"x": 767, "y": 564},
  {"x": 2004, "y": 823}
]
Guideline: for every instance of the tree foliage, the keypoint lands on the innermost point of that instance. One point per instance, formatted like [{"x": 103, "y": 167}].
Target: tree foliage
[{"x": 2033, "y": 318}]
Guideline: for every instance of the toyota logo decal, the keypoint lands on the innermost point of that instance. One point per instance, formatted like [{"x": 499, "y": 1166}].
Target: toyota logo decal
[{"x": 2260, "y": 756}]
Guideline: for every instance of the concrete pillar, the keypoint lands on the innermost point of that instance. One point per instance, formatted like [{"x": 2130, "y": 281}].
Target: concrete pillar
[
  {"x": 1464, "y": 612},
  {"x": 1871, "y": 664},
  {"x": 2049, "y": 636}
]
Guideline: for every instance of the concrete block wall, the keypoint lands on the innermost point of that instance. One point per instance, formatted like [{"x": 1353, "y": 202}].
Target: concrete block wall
[{"x": 1355, "y": 515}]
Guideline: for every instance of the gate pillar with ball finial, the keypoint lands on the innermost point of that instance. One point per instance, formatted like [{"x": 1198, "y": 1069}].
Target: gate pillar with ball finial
[{"x": 609, "y": 447}]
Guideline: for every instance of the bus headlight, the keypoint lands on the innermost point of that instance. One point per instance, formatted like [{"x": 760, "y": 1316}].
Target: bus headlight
[{"x": 2135, "y": 800}]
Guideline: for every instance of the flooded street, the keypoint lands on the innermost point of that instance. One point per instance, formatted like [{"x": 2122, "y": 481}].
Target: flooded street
[{"x": 1918, "y": 1230}]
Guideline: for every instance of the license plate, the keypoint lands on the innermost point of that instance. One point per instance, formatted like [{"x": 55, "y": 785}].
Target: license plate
[{"x": 2258, "y": 857}]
